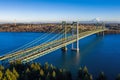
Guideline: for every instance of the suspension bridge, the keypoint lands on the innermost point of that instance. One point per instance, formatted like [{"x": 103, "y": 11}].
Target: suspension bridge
[{"x": 60, "y": 40}]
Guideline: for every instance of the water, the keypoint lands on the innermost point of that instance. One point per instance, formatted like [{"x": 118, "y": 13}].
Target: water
[{"x": 96, "y": 52}]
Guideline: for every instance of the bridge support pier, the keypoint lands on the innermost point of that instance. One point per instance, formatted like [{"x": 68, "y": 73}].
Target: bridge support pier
[
  {"x": 75, "y": 26},
  {"x": 64, "y": 48},
  {"x": 100, "y": 34}
]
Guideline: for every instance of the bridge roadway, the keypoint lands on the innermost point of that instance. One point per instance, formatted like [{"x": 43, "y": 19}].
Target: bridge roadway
[{"x": 30, "y": 54}]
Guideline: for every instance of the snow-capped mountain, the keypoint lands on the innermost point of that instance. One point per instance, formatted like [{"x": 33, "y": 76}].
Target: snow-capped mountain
[{"x": 97, "y": 20}]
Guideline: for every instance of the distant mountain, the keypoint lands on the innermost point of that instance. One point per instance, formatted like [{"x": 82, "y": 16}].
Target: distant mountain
[{"x": 96, "y": 20}]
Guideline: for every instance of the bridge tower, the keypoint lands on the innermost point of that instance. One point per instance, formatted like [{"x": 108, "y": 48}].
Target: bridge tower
[
  {"x": 103, "y": 27},
  {"x": 100, "y": 26},
  {"x": 65, "y": 34},
  {"x": 75, "y": 32}
]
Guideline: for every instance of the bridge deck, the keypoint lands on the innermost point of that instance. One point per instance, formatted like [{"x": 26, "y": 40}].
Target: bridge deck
[
  {"x": 60, "y": 45},
  {"x": 43, "y": 49}
]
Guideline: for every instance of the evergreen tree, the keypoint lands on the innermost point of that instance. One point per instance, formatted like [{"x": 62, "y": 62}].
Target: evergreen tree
[
  {"x": 118, "y": 77},
  {"x": 27, "y": 70},
  {"x": 1, "y": 68},
  {"x": 91, "y": 78},
  {"x": 85, "y": 70},
  {"x": 15, "y": 73},
  {"x": 101, "y": 76},
  {"x": 41, "y": 72},
  {"x": 53, "y": 74},
  {"x": 9, "y": 75},
  {"x": 80, "y": 73},
  {"x": 4, "y": 78},
  {"x": 1, "y": 75},
  {"x": 46, "y": 65}
]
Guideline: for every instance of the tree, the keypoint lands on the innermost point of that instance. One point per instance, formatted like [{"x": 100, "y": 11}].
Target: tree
[
  {"x": 9, "y": 75},
  {"x": 4, "y": 78},
  {"x": 27, "y": 70},
  {"x": 91, "y": 78},
  {"x": 118, "y": 77},
  {"x": 53, "y": 74},
  {"x": 1, "y": 75},
  {"x": 15, "y": 73},
  {"x": 41, "y": 72},
  {"x": 80, "y": 73},
  {"x": 46, "y": 65},
  {"x": 48, "y": 76},
  {"x": 85, "y": 70},
  {"x": 101, "y": 76},
  {"x": 35, "y": 66},
  {"x": 86, "y": 77},
  {"x": 1, "y": 67}
]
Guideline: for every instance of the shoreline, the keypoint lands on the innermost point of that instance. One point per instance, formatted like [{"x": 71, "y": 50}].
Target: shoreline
[
  {"x": 112, "y": 32},
  {"x": 106, "y": 32}
]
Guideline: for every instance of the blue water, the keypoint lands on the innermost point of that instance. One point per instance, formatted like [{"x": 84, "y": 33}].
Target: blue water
[{"x": 96, "y": 52}]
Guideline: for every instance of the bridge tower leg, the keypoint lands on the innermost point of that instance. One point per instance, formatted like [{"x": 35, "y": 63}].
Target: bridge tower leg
[
  {"x": 75, "y": 24},
  {"x": 77, "y": 37},
  {"x": 72, "y": 31},
  {"x": 97, "y": 27},
  {"x": 65, "y": 35}
]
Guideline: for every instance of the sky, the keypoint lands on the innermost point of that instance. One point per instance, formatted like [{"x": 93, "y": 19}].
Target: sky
[{"x": 59, "y": 10}]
